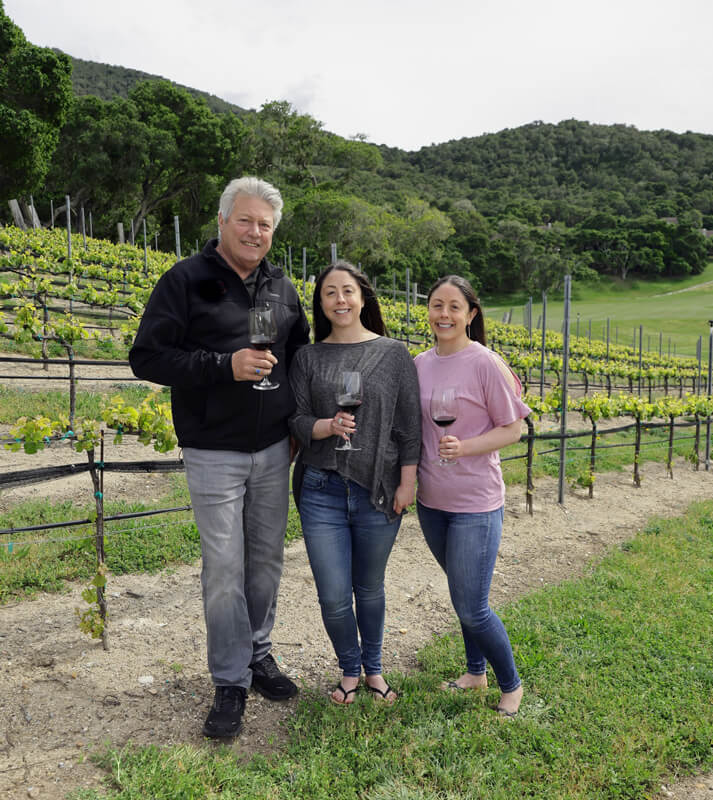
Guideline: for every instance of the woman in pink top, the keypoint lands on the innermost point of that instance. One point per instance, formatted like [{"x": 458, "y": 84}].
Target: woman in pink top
[{"x": 460, "y": 502}]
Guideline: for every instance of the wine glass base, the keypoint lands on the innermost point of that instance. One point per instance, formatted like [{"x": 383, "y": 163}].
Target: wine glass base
[
  {"x": 265, "y": 387},
  {"x": 447, "y": 462},
  {"x": 348, "y": 449}
]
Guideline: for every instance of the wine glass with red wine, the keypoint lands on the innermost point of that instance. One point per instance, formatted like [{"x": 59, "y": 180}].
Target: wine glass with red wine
[
  {"x": 349, "y": 397},
  {"x": 263, "y": 334},
  {"x": 444, "y": 412}
]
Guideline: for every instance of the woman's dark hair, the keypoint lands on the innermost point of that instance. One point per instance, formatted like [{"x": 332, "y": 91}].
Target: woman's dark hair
[
  {"x": 476, "y": 329},
  {"x": 370, "y": 315}
]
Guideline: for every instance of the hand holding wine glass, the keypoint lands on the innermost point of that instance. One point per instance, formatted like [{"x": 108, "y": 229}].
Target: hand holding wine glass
[
  {"x": 444, "y": 412},
  {"x": 263, "y": 334},
  {"x": 349, "y": 398}
]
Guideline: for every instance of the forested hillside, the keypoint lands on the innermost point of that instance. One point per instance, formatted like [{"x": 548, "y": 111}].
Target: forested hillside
[
  {"x": 512, "y": 211},
  {"x": 572, "y": 168},
  {"x": 107, "y": 81}
]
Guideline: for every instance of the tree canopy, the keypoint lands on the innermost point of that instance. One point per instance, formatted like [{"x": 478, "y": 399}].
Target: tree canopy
[
  {"x": 512, "y": 211},
  {"x": 35, "y": 92}
]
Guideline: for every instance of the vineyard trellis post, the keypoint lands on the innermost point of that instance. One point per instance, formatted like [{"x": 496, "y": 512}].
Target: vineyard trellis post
[
  {"x": 33, "y": 213},
  {"x": 177, "y": 231},
  {"x": 408, "y": 296},
  {"x": 333, "y": 250},
  {"x": 68, "y": 208},
  {"x": 641, "y": 355},
  {"x": 146, "y": 250},
  {"x": 83, "y": 227},
  {"x": 542, "y": 350},
  {"x": 563, "y": 403},
  {"x": 69, "y": 226},
  {"x": 699, "y": 357},
  {"x": 72, "y": 385},
  {"x": 91, "y": 227},
  {"x": 710, "y": 391},
  {"x": 51, "y": 213},
  {"x": 304, "y": 272}
]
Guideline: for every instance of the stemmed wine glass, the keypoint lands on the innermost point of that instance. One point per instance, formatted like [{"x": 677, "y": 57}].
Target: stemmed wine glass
[
  {"x": 444, "y": 411},
  {"x": 349, "y": 397},
  {"x": 263, "y": 334}
]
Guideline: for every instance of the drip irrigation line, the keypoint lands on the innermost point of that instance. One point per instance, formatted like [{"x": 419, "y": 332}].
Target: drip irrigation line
[
  {"x": 108, "y": 534},
  {"x": 73, "y": 523},
  {"x": 29, "y": 476},
  {"x": 77, "y": 378},
  {"x": 82, "y": 362}
]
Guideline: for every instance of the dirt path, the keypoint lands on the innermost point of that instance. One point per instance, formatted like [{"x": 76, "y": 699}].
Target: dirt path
[{"x": 62, "y": 695}]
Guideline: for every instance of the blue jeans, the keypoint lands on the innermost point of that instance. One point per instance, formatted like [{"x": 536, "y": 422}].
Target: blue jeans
[
  {"x": 348, "y": 542},
  {"x": 466, "y": 546},
  {"x": 240, "y": 505}
]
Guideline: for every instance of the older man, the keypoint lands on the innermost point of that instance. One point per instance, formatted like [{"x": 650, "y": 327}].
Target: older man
[{"x": 194, "y": 337}]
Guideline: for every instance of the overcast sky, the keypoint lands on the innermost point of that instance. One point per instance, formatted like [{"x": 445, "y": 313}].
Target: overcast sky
[{"x": 410, "y": 73}]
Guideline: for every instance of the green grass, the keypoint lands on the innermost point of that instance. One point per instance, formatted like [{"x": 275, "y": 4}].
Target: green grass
[
  {"x": 16, "y": 403},
  {"x": 683, "y": 317},
  {"x": 618, "y": 672}
]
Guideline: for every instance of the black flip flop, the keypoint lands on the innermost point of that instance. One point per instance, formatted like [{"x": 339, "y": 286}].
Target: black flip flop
[
  {"x": 346, "y": 694},
  {"x": 383, "y": 695}
]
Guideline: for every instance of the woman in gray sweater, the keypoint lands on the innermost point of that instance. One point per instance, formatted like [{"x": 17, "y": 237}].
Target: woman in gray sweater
[{"x": 351, "y": 501}]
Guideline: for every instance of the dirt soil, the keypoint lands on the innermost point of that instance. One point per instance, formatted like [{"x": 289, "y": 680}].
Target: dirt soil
[{"x": 63, "y": 696}]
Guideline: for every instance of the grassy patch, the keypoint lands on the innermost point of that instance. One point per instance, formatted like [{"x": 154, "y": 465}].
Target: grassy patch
[
  {"x": 618, "y": 673},
  {"x": 44, "y": 560},
  {"x": 16, "y": 403},
  {"x": 678, "y": 308}
]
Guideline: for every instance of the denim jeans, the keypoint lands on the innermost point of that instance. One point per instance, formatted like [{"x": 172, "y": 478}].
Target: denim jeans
[
  {"x": 348, "y": 543},
  {"x": 466, "y": 546},
  {"x": 240, "y": 505}
]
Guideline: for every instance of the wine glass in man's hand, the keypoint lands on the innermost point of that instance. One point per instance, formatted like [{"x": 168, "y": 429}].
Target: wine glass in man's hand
[
  {"x": 263, "y": 334},
  {"x": 349, "y": 397}
]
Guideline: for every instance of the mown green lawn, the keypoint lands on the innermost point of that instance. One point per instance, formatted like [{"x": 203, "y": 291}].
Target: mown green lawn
[{"x": 682, "y": 316}]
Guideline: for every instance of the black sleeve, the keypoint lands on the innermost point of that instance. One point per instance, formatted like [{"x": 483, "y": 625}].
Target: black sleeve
[{"x": 158, "y": 353}]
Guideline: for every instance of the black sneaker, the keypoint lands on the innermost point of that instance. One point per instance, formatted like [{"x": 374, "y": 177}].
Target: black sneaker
[
  {"x": 270, "y": 682},
  {"x": 225, "y": 719}
]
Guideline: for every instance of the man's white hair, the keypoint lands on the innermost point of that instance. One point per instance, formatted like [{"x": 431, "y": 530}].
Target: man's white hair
[{"x": 252, "y": 187}]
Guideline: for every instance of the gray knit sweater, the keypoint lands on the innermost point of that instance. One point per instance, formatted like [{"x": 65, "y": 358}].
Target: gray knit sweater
[{"x": 388, "y": 421}]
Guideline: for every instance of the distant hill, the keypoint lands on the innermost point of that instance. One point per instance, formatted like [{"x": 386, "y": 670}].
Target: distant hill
[
  {"x": 538, "y": 173},
  {"x": 107, "y": 81},
  {"x": 545, "y": 172}
]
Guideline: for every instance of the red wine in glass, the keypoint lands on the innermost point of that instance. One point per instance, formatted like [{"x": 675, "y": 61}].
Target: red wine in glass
[
  {"x": 349, "y": 398},
  {"x": 263, "y": 334},
  {"x": 261, "y": 342},
  {"x": 444, "y": 412}
]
